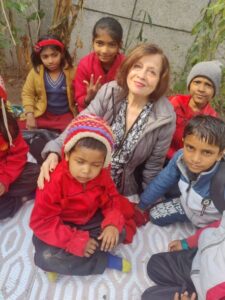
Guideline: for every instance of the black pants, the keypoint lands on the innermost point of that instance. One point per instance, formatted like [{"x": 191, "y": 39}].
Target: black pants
[
  {"x": 54, "y": 259},
  {"x": 171, "y": 272},
  {"x": 24, "y": 185}
]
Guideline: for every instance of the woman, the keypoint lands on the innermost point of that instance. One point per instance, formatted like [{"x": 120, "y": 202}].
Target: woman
[{"x": 141, "y": 118}]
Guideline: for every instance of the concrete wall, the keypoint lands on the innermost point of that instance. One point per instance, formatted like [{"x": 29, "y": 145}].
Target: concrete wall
[{"x": 172, "y": 21}]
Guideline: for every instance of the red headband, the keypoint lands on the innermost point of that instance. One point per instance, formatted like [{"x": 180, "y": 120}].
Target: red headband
[{"x": 38, "y": 46}]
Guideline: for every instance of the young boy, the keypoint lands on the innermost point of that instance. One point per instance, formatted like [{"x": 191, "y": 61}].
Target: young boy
[
  {"x": 79, "y": 217},
  {"x": 187, "y": 272},
  {"x": 193, "y": 168},
  {"x": 203, "y": 83}
]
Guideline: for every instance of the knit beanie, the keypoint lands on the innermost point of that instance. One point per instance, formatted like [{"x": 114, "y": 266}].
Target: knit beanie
[
  {"x": 209, "y": 69},
  {"x": 3, "y": 97},
  {"x": 90, "y": 126}
]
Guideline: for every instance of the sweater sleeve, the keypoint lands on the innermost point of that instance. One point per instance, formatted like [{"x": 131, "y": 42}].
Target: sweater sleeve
[
  {"x": 14, "y": 162},
  {"x": 47, "y": 223},
  {"x": 110, "y": 205},
  {"x": 79, "y": 85},
  {"x": 192, "y": 240},
  {"x": 160, "y": 184},
  {"x": 28, "y": 93},
  {"x": 155, "y": 161}
]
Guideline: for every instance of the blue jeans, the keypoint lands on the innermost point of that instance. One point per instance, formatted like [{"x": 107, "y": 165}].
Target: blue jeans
[{"x": 168, "y": 212}]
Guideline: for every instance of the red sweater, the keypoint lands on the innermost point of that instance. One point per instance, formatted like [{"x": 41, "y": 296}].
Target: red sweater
[
  {"x": 88, "y": 65},
  {"x": 12, "y": 159},
  {"x": 184, "y": 113},
  {"x": 64, "y": 199}
]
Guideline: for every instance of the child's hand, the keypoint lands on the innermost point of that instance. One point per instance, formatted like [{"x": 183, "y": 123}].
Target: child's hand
[
  {"x": 31, "y": 122},
  {"x": 48, "y": 166},
  {"x": 109, "y": 237},
  {"x": 91, "y": 247},
  {"x": 175, "y": 246},
  {"x": 2, "y": 189},
  {"x": 92, "y": 88},
  {"x": 184, "y": 296}
]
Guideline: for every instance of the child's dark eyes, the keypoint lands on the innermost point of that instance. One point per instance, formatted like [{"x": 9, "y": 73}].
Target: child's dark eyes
[
  {"x": 101, "y": 43},
  {"x": 189, "y": 148},
  {"x": 207, "y": 153}
]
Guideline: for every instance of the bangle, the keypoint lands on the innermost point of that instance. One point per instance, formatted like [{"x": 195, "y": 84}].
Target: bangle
[
  {"x": 184, "y": 244},
  {"x": 29, "y": 112}
]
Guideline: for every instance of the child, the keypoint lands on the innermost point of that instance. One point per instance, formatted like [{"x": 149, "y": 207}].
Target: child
[
  {"x": 184, "y": 270},
  {"x": 47, "y": 95},
  {"x": 101, "y": 65},
  {"x": 203, "y": 83},
  {"x": 79, "y": 216},
  {"x": 193, "y": 168},
  {"x": 18, "y": 177}
]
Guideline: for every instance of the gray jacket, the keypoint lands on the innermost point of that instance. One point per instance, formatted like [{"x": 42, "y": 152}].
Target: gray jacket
[{"x": 152, "y": 146}]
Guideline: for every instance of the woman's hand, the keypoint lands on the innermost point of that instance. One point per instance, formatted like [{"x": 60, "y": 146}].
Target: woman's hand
[
  {"x": 109, "y": 237},
  {"x": 48, "y": 166},
  {"x": 175, "y": 246},
  {"x": 91, "y": 247},
  {"x": 31, "y": 122},
  {"x": 185, "y": 296},
  {"x": 2, "y": 189},
  {"x": 92, "y": 88}
]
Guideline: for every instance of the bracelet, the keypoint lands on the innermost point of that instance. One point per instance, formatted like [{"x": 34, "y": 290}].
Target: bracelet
[
  {"x": 184, "y": 244},
  {"x": 29, "y": 112}
]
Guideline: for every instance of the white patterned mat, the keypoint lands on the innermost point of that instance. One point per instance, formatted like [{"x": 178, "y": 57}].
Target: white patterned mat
[{"x": 20, "y": 279}]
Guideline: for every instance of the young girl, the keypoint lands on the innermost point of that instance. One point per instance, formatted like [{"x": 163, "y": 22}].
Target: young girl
[
  {"x": 18, "y": 177},
  {"x": 47, "y": 95},
  {"x": 101, "y": 65},
  {"x": 79, "y": 216}
]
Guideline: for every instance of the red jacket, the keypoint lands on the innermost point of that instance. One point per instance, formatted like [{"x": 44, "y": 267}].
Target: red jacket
[
  {"x": 12, "y": 159},
  {"x": 88, "y": 65},
  {"x": 64, "y": 199},
  {"x": 184, "y": 113}
]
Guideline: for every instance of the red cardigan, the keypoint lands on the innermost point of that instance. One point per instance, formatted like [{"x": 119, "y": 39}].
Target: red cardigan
[
  {"x": 88, "y": 65},
  {"x": 64, "y": 199},
  {"x": 184, "y": 113},
  {"x": 12, "y": 159}
]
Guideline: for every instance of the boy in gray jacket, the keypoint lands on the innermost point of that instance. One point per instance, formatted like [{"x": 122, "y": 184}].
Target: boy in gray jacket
[{"x": 194, "y": 169}]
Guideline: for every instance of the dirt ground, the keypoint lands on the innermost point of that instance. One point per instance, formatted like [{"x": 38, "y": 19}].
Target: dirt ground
[{"x": 14, "y": 82}]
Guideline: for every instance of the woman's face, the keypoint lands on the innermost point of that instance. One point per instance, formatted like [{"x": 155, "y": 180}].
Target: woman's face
[{"x": 144, "y": 75}]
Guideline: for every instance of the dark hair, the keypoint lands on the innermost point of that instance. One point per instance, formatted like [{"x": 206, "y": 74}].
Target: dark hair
[
  {"x": 208, "y": 129},
  {"x": 12, "y": 124},
  {"x": 112, "y": 26},
  {"x": 137, "y": 53},
  {"x": 90, "y": 143},
  {"x": 35, "y": 56}
]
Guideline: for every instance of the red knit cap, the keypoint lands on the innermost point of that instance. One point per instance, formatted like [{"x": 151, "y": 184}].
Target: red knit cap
[{"x": 90, "y": 126}]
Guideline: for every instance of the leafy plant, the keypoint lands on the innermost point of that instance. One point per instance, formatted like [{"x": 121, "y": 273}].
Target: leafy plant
[
  {"x": 139, "y": 38},
  {"x": 21, "y": 39}
]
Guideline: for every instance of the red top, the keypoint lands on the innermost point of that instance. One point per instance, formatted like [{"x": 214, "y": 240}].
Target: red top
[
  {"x": 184, "y": 113},
  {"x": 64, "y": 199},
  {"x": 88, "y": 65},
  {"x": 12, "y": 159}
]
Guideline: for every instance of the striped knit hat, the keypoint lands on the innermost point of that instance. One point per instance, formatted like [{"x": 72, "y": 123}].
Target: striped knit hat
[
  {"x": 3, "y": 97},
  {"x": 90, "y": 126}
]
